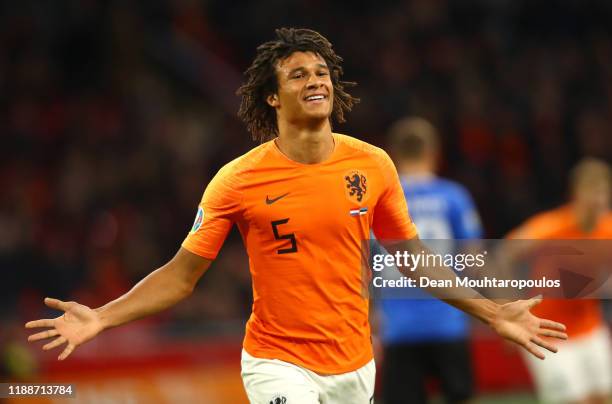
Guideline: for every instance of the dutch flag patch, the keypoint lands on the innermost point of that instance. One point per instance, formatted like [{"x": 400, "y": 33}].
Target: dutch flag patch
[{"x": 358, "y": 212}]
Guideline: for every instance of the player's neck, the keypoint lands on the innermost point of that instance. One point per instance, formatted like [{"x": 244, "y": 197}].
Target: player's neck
[
  {"x": 586, "y": 220},
  {"x": 305, "y": 145}
]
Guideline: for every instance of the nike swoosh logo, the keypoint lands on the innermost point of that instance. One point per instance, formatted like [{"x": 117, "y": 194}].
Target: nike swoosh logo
[{"x": 271, "y": 201}]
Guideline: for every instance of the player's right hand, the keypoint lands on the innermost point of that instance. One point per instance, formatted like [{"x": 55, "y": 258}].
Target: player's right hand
[{"x": 76, "y": 326}]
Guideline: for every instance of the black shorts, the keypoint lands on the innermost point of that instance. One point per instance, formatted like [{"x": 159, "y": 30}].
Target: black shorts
[{"x": 408, "y": 367}]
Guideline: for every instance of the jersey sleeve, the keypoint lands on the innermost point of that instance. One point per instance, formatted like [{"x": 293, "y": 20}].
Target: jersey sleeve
[
  {"x": 391, "y": 218},
  {"x": 217, "y": 212},
  {"x": 464, "y": 216}
]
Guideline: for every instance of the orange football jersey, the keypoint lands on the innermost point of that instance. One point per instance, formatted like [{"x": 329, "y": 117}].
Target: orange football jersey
[
  {"x": 579, "y": 315},
  {"x": 303, "y": 226}
]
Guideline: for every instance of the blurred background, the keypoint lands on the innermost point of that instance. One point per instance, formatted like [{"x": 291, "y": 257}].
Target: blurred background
[{"x": 116, "y": 114}]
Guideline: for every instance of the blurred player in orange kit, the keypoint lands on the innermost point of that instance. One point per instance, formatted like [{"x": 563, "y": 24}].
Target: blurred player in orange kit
[
  {"x": 581, "y": 372},
  {"x": 304, "y": 201}
]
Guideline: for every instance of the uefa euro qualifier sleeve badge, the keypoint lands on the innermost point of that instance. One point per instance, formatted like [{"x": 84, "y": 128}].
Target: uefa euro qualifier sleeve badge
[{"x": 197, "y": 223}]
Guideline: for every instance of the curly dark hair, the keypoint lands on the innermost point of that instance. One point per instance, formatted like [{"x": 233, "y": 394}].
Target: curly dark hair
[{"x": 261, "y": 79}]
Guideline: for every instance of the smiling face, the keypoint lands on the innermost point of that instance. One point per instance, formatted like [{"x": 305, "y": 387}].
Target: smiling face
[{"x": 305, "y": 92}]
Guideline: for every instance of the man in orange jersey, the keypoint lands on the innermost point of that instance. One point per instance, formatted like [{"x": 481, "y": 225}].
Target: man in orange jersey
[
  {"x": 581, "y": 372},
  {"x": 304, "y": 201}
]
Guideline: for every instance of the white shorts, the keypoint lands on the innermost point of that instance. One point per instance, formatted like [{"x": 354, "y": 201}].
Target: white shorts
[
  {"x": 581, "y": 368},
  {"x": 272, "y": 381}
]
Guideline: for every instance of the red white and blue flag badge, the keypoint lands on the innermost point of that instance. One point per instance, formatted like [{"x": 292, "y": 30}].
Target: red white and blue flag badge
[{"x": 358, "y": 212}]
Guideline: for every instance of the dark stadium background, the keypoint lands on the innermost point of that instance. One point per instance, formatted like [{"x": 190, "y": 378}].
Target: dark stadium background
[{"x": 116, "y": 114}]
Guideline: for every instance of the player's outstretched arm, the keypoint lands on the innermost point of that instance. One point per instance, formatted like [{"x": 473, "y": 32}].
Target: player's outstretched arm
[
  {"x": 159, "y": 290},
  {"x": 513, "y": 321}
]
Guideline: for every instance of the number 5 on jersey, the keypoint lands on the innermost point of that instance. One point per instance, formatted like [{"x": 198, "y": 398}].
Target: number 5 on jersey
[{"x": 278, "y": 236}]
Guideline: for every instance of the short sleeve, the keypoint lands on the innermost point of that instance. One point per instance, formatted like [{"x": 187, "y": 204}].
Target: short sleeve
[
  {"x": 216, "y": 213},
  {"x": 391, "y": 218}
]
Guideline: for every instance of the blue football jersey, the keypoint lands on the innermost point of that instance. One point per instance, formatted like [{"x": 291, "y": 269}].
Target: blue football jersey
[{"x": 440, "y": 209}]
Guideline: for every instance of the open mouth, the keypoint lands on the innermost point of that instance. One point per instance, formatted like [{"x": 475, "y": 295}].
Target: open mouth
[{"x": 315, "y": 97}]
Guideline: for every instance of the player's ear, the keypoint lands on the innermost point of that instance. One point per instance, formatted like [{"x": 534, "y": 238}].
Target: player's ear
[{"x": 272, "y": 100}]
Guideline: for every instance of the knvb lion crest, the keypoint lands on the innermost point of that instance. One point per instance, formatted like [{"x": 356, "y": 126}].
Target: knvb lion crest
[{"x": 356, "y": 185}]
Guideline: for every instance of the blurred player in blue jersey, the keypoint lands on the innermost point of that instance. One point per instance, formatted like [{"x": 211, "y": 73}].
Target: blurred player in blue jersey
[{"x": 423, "y": 337}]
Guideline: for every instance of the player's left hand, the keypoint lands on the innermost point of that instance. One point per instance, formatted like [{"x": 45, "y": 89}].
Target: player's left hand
[{"x": 514, "y": 322}]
